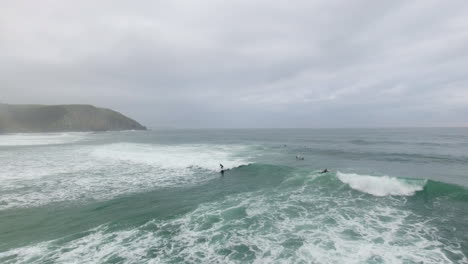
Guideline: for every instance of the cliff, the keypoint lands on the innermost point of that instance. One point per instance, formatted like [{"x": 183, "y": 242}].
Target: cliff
[{"x": 60, "y": 118}]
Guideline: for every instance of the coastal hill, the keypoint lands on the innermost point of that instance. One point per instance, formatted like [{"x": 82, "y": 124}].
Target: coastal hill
[{"x": 61, "y": 118}]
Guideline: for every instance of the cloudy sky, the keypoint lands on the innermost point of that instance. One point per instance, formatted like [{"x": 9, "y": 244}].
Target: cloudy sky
[{"x": 243, "y": 63}]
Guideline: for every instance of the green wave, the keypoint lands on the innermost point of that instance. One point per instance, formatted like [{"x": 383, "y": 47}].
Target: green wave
[
  {"x": 434, "y": 189},
  {"x": 257, "y": 173}
]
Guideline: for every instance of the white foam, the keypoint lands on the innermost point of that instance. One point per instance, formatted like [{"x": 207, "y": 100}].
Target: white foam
[
  {"x": 177, "y": 157},
  {"x": 263, "y": 225},
  {"x": 32, "y": 177},
  {"x": 380, "y": 186},
  {"x": 33, "y": 139}
]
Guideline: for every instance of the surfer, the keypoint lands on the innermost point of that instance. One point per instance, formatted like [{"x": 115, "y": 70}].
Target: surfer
[
  {"x": 222, "y": 168},
  {"x": 324, "y": 171},
  {"x": 298, "y": 157}
]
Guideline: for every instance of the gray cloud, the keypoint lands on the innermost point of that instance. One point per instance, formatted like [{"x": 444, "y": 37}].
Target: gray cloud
[{"x": 242, "y": 63}]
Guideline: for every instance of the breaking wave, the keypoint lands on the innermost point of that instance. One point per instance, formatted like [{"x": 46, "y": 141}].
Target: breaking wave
[
  {"x": 106, "y": 171},
  {"x": 381, "y": 186},
  {"x": 179, "y": 157}
]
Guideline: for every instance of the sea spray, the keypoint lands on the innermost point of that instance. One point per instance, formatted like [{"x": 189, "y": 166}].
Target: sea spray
[{"x": 381, "y": 186}]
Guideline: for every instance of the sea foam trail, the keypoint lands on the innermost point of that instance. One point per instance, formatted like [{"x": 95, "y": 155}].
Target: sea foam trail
[
  {"x": 34, "y": 139},
  {"x": 381, "y": 186}
]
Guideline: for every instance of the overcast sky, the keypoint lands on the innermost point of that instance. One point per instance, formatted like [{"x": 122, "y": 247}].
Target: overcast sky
[{"x": 243, "y": 63}]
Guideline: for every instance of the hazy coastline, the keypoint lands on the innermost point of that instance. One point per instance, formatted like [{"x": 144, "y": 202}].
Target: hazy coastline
[{"x": 62, "y": 118}]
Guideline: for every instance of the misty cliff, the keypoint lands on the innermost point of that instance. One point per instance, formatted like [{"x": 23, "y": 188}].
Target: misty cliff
[{"x": 58, "y": 118}]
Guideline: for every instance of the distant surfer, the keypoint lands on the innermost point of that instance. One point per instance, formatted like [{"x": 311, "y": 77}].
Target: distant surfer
[
  {"x": 299, "y": 157},
  {"x": 324, "y": 171},
  {"x": 222, "y": 168}
]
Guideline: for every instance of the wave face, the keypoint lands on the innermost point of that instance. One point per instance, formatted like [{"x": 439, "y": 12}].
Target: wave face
[{"x": 381, "y": 186}]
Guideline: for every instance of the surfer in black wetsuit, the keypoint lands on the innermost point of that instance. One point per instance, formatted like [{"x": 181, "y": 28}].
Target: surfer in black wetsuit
[
  {"x": 222, "y": 168},
  {"x": 324, "y": 171}
]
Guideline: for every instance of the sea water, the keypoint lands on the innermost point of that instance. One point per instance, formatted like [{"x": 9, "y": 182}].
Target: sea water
[{"x": 390, "y": 196}]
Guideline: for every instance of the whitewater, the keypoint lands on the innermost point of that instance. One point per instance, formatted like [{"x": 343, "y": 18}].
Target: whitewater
[{"x": 390, "y": 196}]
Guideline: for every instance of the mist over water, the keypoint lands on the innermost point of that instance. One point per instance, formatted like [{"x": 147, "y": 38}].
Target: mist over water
[{"x": 391, "y": 196}]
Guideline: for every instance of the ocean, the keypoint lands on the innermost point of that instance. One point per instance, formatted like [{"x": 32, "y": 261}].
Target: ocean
[{"x": 390, "y": 196}]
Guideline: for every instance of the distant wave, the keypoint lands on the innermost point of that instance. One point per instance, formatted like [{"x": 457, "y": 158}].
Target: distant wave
[
  {"x": 390, "y": 142},
  {"x": 387, "y": 156},
  {"x": 372, "y": 142},
  {"x": 381, "y": 186},
  {"x": 33, "y": 139}
]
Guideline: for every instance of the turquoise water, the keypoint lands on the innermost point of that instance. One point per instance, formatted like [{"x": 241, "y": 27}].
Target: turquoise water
[{"x": 391, "y": 196}]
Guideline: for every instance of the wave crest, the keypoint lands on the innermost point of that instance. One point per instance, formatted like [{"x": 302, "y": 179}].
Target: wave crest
[
  {"x": 179, "y": 157},
  {"x": 381, "y": 186}
]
